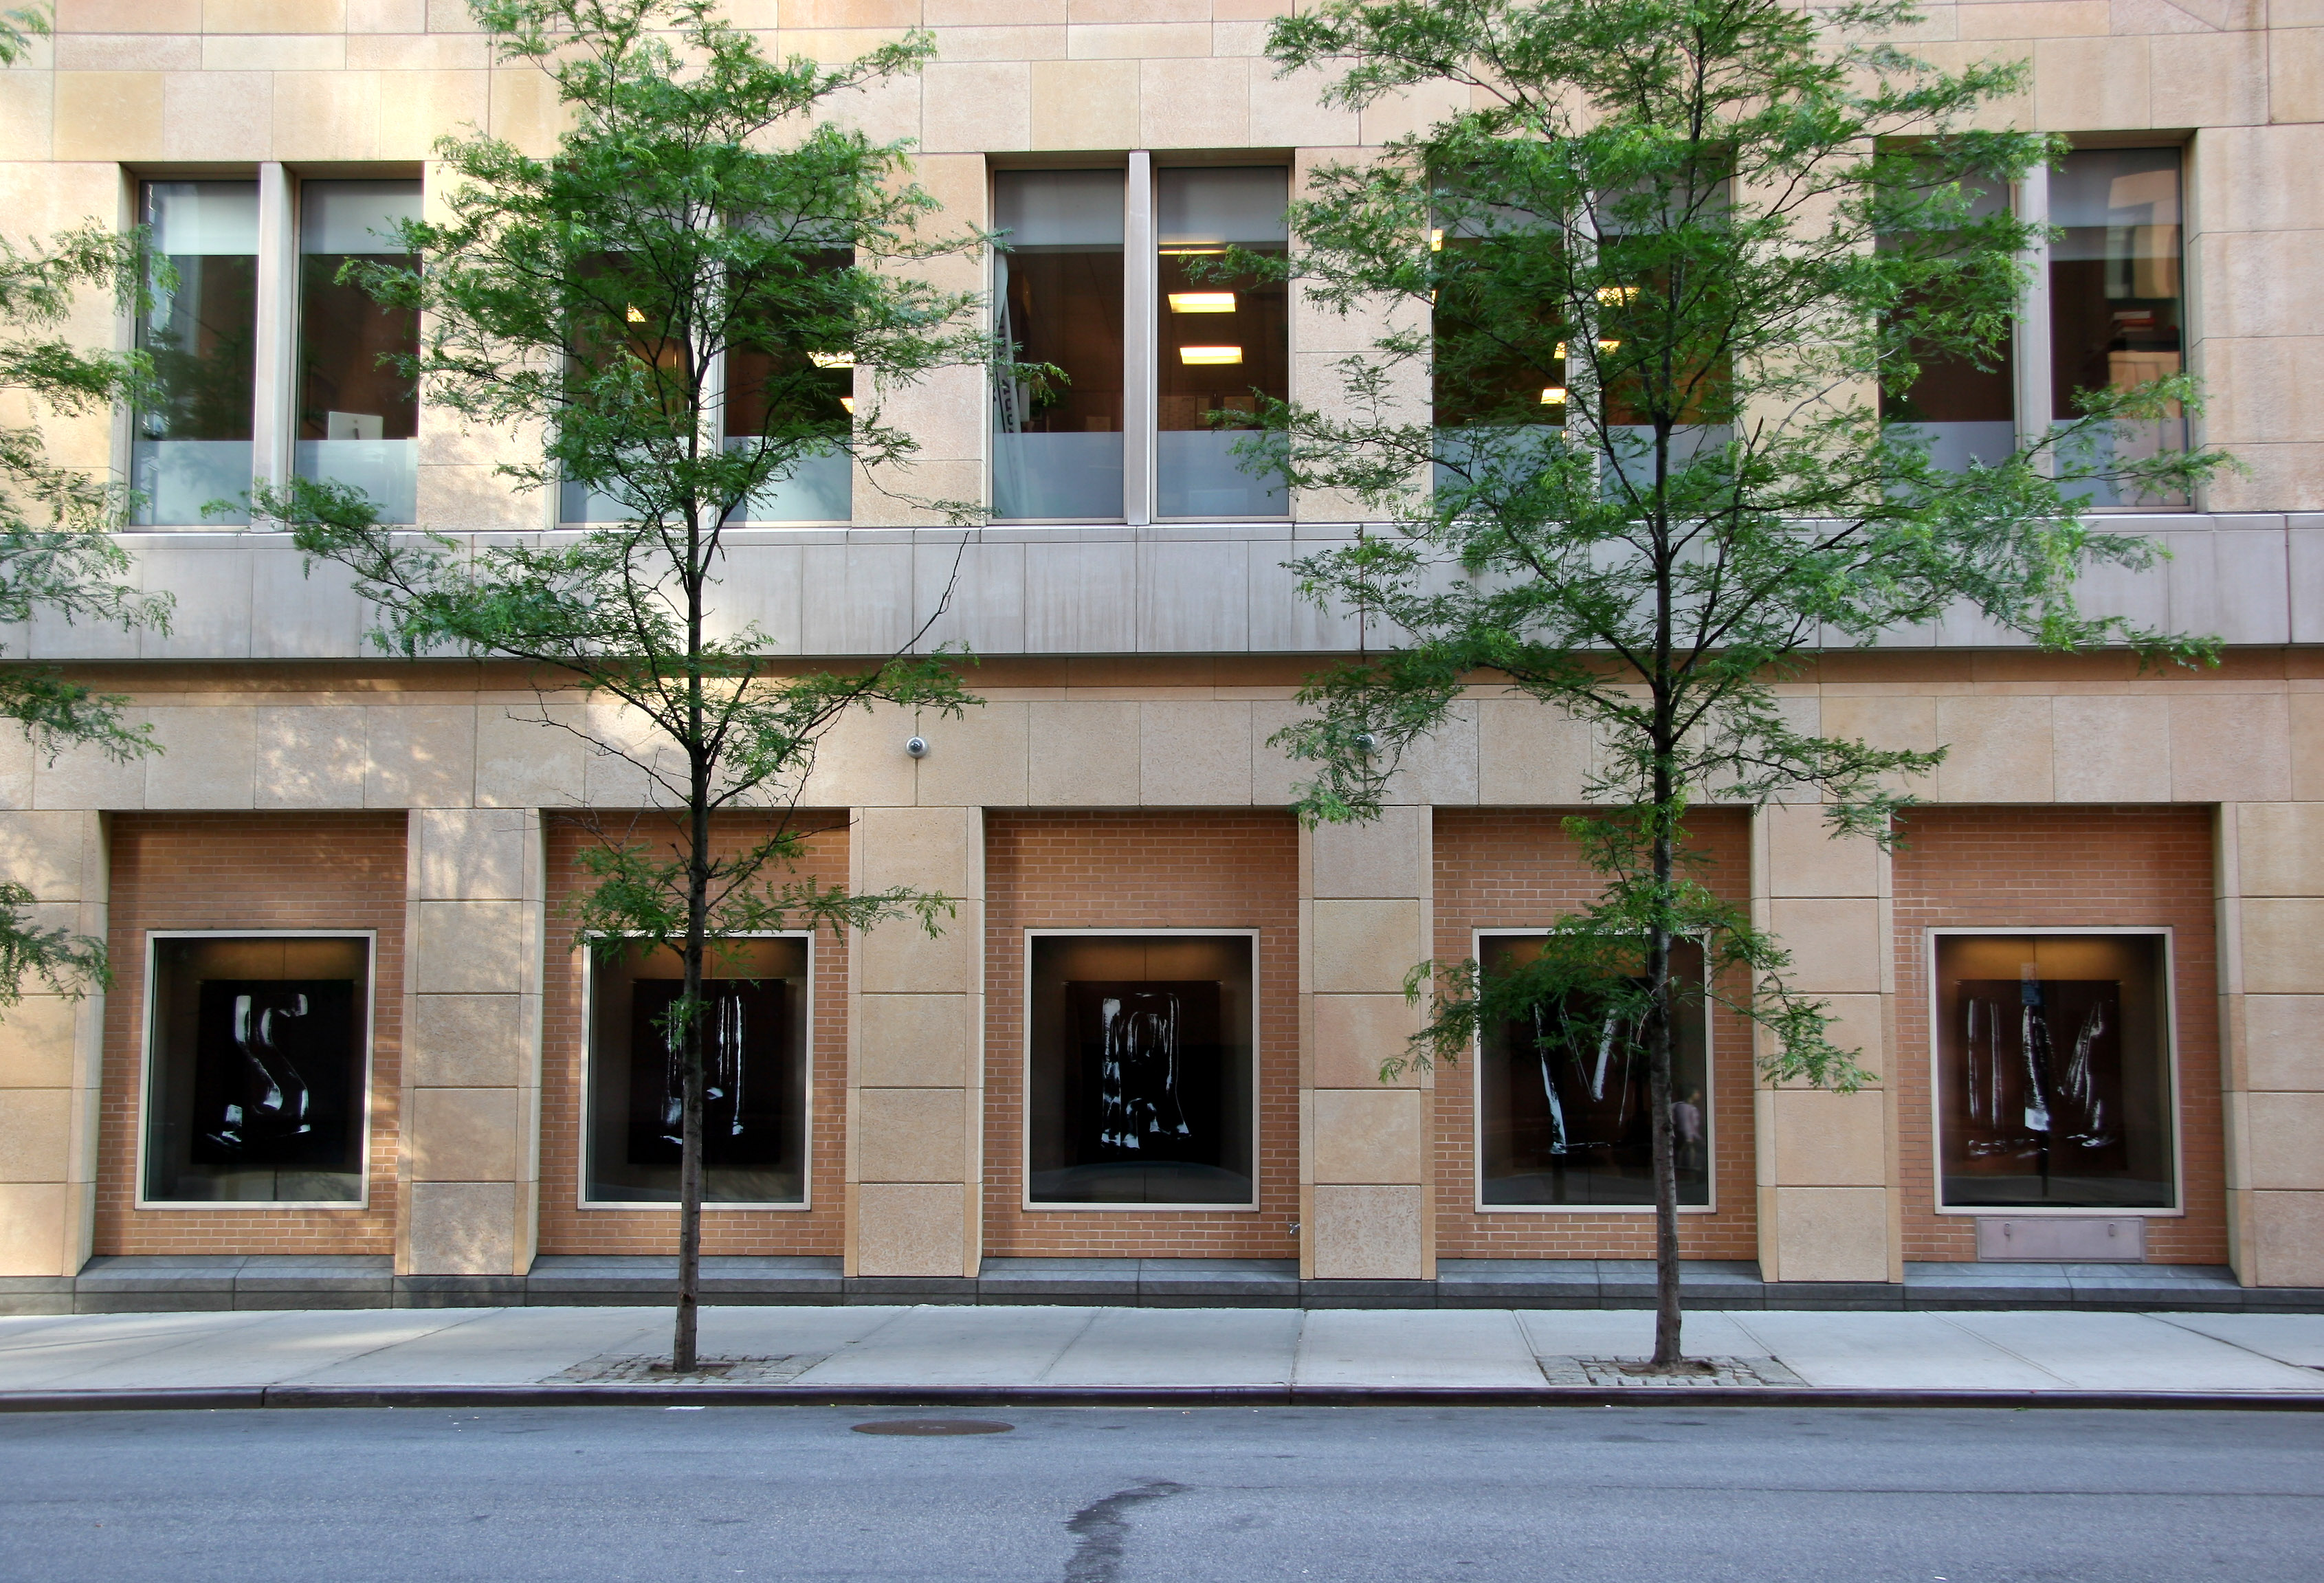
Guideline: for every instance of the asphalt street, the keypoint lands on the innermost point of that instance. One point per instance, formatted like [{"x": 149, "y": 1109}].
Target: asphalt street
[{"x": 1113, "y": 1495}]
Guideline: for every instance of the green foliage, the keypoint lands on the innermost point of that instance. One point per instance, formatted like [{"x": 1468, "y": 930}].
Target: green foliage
[
  {"x": 58, "y": 559},
  {"x": 1719, "y": 229}
]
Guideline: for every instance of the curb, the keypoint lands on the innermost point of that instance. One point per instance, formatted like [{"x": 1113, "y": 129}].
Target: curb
[{"x": 213, "y": 1399}]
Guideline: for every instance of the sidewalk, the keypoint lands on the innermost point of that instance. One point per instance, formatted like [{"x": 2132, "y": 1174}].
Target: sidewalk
[{"x": 994, "y": 1354}]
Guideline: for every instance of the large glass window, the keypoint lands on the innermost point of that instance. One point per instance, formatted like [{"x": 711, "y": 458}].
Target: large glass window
[
  {"x": 258, "y": 1051},
  {"x": 193, "y": 445},
  {"x": 2117, "y": 304},
  {"x": 755, "y": 1058},
  {"x": 359, "y": 415},
  {"x": 1139, "y": 1069},
  {"x": 781, "y": 391},
  {"x": 1056, "y": 451},
  {"x": 2053, "y": 1071},
  {"x": 1222, "y": 343},
  {"x": 1562, "y": 1110},
  {"x": 1498, "y": 370},
  {"x": 1966, "y": 412}
]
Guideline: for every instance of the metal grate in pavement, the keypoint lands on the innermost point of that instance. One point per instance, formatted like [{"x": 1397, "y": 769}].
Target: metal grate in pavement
[{"x": 1614, "y": 1372}]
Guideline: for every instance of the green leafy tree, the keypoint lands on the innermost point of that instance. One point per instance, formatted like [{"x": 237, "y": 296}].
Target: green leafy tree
[
  {"x": 1623, "y": 435},
  {"x": 58, "y": 557},
  {"x": 673, "y": 301}
]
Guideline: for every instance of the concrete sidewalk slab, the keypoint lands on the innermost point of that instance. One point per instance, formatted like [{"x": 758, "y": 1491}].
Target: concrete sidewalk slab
[
  {"x": 2118, "y": 1351},
  {"x": 1161, "y": 1347},
  {"x": 1438, "y": 1349},
  {"x": 1630, "y": 1333},
  {"x": 1893, "y": 1351},
  {"x": 2297, "y": 1338},
  {"x": 495, "y": 1347},
  {"x": 957, "y": 1346}
]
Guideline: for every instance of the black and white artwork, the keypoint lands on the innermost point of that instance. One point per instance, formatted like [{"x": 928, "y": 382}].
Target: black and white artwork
[
  {"x": 277, "y": 1074},
  {"x": 1149, "y": 1054},
  {"x": 745, "y": 1031}
]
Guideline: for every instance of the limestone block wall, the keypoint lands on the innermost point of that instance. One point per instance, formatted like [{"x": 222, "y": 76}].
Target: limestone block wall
[
  {"x": 2270, "y": 883},
  {"x": 51, "y": 1054},
  {"x": 1367, "y": 1186},
  {"x": 1827, "y": 1161},
  {"x": 915, "y": 1069},
  {"x": 470, "y": 1169}
]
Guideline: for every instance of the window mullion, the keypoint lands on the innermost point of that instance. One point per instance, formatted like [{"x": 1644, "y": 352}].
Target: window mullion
[
  {"x": 1138, "y": 342},
  {"x": 2032, "y": 341},
  {"x": 274, "y": 400}
]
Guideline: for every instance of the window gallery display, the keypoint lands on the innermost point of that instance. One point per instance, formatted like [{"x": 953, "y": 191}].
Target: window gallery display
[
  {"x": 1563, "y": 1118},
  {"x": 1139, "y": 1069},
  {"x": 755, "y": 1050},
  {"x": 257, "y": 1069},
  {"x": 2054, "y": 1077}
]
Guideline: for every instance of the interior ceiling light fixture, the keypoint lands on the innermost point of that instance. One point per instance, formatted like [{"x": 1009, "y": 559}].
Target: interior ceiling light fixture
[
  {"x": 1202, "y": 302},
  {"x": 1554, "y": 396},
  {"x": 1437, "y": 239},
  {"x": 1207, "y": 355},
  {"x": 636, "y": 316},
  {"x": 847, "y": 404},
  {"x": 1613, "y": 296},
  {"x": 832, "y": 359},
  {"x": 1189, "y": 252},
  {"x": 1603, "y": 345}
]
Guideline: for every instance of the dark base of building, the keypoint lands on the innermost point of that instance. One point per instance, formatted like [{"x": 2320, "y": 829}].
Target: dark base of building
[{"x": 221, "y": 1284}]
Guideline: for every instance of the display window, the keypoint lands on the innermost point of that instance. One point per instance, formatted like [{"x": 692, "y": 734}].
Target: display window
[
  {"x": 1564, "y": 1117},
  {"x": 1140, "y": 1070},
  {"x": 257, "y": 1070},
  {"x": 755, "y": 1056},
  {"x": 2055, "y": 1076}
]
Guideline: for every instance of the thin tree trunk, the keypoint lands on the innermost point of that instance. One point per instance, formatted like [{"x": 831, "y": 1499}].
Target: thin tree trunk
[
  {"x": 682, "y": 1358},
  {"x": 1668, "y": 1347}
]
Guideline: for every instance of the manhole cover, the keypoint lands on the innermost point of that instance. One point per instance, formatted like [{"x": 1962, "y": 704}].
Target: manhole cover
[{"x": 935, "y": 1426}]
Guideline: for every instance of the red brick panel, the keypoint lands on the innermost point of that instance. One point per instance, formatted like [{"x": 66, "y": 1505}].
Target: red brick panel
[
  {"x": 1517, "y": 869},
  {"x": 274, "y": 870},
  {"x": 565, "y": 1225},
  {"x": 1134, "y": 871},
  {"x": 2043, "y": 868}
]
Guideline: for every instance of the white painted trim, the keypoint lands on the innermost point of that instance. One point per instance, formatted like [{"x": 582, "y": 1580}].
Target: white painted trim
[
  {"x": 1025, "y": 1097},
  {"x": 806, "y": 1200},
  {"x": 370, "y": 937},
  {"x": 2171, "y": 1055}
]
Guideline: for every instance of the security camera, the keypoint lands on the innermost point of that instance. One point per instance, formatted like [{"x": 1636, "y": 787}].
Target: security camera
[{"x": 918, "y": 747}]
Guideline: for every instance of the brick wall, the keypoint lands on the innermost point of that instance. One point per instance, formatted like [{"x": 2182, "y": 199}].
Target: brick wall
[
  {"x": 2018, "y": 867},
  {"x": 1518, "y": 868},
  {"x": 1131, "y": 870},
  {"x": 568, "y": 1228},
  {"x": 274, "y": 870}
]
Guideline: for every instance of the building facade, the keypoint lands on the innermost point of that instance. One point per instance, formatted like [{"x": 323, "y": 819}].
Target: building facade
[{"x": 349, "y": 1016}]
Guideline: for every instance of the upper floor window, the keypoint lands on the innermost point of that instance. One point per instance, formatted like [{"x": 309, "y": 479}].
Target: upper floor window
[
  {"x": 1224, "y": 343},
  {"x": 1056, "y": 297},
  {"x": 219, "y": 419},
  {"x": 193, "y": 445}
]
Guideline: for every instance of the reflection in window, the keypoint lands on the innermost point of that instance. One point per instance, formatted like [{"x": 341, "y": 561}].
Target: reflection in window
[
  {"x": 1564, "y": 1115},
  {"x": 255, "y": 1076},
  {"x": 646, "y": 337},
  {"x": 2116, "y": 302},
  {"x": 1965, "y": 412},
  {"x": 1499, "y": 366},
  {"x": 193, "y": 446},
  {"x": 358, "y": 417},
  {"x": 1140, "y": 1070},
  {"x": 1222, "y": 343},
  {"x": 1057, "y": 453},
  {"x": 789, "y": 391},
  {"x": 2053, "y": 1071},
  {"x": 754, "y": 1054}
]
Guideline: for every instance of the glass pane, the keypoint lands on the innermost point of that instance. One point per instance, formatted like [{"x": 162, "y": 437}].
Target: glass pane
[
  {"x": 2053, "y": 1071},
  {"x": 255, "y": 1089},
  {"x": 1222, "y": 342},
  {"x": 358, "y": 417},
  {"x": 754, "y": 1052},
  {"x": 1965, "y": 412},
  {"x": 786, "y": 392},
  {"x": 1563, "y": 1114},
  {"x": 1057, "y": 296},
  {"x": 1140, "y": 1070},
  {"x": 194, "y": 445},
  {"x": 606, "y": 280},
  {"x": 2116, "y": 302},
  {"x": 1499, "y": 393}
]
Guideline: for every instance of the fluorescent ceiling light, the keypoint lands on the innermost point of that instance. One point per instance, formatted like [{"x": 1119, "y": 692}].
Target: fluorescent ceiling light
[
  {"x": 636, "y": 316},
  {"x": 1202, "y": 302},
  {"x": 1436, "y": 240},
  {"x": 1612, "y": 296},
  {"x": 832, "y": 359},
  {"x": 849, "y": 403},
  {"x": 1554, "y": 397},
  {"x": 1200, "y": 354}
]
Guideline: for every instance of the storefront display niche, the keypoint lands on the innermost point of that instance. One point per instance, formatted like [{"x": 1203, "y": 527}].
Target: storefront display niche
[
  {"x": 1563, "y": 1111},
  {"x": 1140, "y": 1070},
  {"x": 257, "y": 1071},
  {"x": 2053, "y": 1071},
  {"x": 754, "y": 1044}
]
